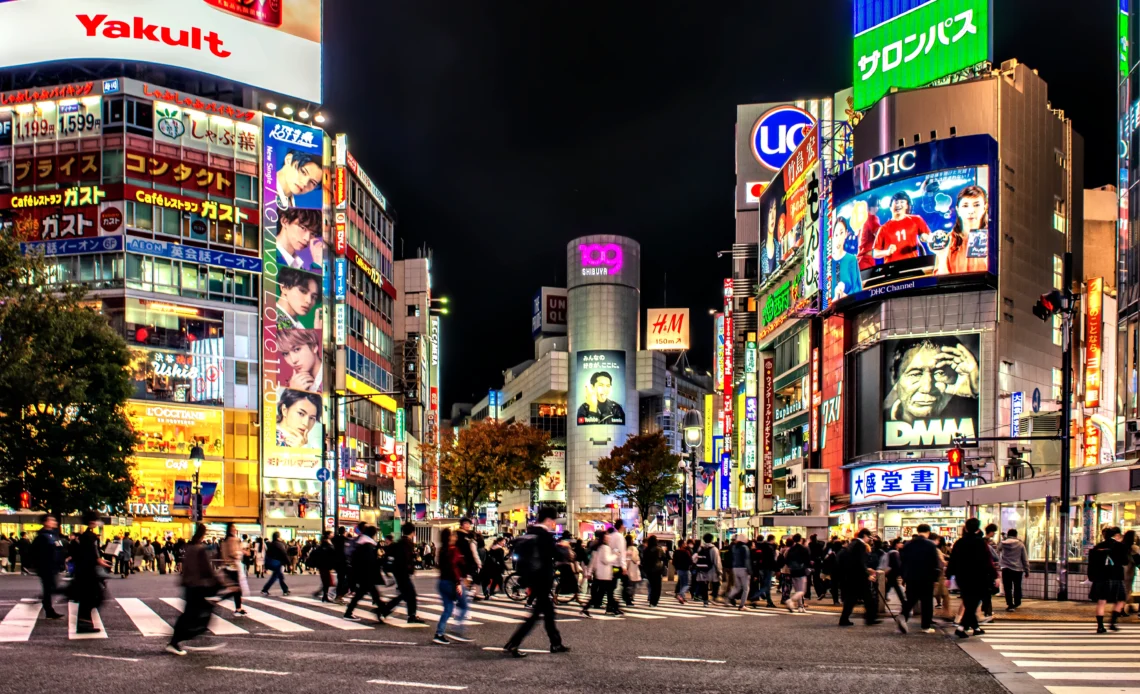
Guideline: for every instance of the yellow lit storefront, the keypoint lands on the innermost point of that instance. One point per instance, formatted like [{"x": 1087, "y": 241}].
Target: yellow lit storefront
[{"x": 159, "y": 505}]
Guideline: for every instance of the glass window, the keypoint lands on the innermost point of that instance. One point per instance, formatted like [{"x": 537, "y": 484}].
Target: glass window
[
  {"x": 170, "y": 222},
  {"x": 190, "y": 283},
  {"x": 1057, "y": 384},
  {"x": 165, "y": 280},
  {"x": 143, "y": 216},
  {"x": 243, "y": 187},
  {"x": 217, "y": 282},
  {"x": 241, "y": 373},
  {"x": 1057, "y": 336},
  {"x": 1058, "y": 272},
  {"x": 112, "y": 166},
  {"x": 112, "y": 112}
]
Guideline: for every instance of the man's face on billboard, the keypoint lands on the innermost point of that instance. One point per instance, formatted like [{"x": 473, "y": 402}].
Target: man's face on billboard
[
  {"x": 922, "y": 382},
  {"x": 899, "y": 208},
  {"x": 602, "y": 388},
  {"x": 297, "y": 179},
  {"x": 294, "y": 237}
]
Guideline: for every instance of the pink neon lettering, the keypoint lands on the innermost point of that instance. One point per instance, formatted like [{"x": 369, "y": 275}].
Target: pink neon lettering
[{"x": 606, "y": 255}]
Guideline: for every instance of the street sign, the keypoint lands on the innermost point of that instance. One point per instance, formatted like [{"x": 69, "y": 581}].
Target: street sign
[
  {"x": 1036, "y": 402},
  {"x": 323, "y": 474}
]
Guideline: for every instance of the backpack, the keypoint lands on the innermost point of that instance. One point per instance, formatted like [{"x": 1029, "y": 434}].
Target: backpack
[
  {"x": 527, "y": 561},
  {"x": 1099, "y": 561},
  {"x": 703, "y": 560}
]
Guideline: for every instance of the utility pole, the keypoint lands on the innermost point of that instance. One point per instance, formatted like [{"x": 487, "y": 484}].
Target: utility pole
[{"x": 1067, "y": 309}]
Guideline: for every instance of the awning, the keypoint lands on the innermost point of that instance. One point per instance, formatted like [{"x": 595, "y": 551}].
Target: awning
[
  {"x": 784, "y": 520},
  {"x": 286, "y": 486},
  {"x": 1084, "y": 482}
]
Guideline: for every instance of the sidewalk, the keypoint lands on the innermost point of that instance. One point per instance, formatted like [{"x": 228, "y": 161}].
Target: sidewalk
[{"x": 1030, "y": 610}]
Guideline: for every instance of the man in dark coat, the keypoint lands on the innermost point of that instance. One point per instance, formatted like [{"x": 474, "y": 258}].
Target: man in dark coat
[
  {"x": 856, "y": 578},
  {"x": 920, "y": 571},
  {"x": 541, "y": 586},
  {"x": 972, "y": 568},
  {"x": 87, "y": 586},
  {"x": 403, "y": 566},
  {"x": 45, "y": 549}
]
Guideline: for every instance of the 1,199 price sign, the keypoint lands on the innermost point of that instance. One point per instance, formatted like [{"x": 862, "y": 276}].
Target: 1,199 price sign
[{"x": 62, "y": 120}]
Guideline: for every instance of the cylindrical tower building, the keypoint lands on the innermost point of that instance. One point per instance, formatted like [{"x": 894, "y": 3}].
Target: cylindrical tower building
[{"x": 603, "y": 282}]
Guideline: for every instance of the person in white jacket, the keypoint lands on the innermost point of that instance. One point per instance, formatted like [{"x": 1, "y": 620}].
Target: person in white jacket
[{"x": 607, "y": 563}]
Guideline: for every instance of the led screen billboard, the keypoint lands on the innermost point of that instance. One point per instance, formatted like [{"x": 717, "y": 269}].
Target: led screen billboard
[
  {"x": 930, "y": 388},
  {"x": 269, "y": 44},
  {"x": 913, "y": 219},
  {"x": 599, "y": 389},
  {"x": 911, "y": 43}
]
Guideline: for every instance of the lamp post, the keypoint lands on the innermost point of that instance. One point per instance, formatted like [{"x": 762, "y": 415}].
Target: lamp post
[
  {"x": 197, "y": 455},
  {"x": 694, "y": 434}
]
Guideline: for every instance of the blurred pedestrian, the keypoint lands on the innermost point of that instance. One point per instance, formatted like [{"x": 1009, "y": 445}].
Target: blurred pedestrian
[
  {"x": 653, "y": 568},
  {"x": 972, "y": 568},
  {"x": 199, "y": 584},
  {"x": 920, "y": 567},
  {"x": 87, "y": 587},
  {"x": 856, "y": 579},
  {"x": 276, "y": 560},
  {"x": 541, "y": 584},
  {"x": 1014, "y": 564},
  {"x": 1106, "y": 571},
  {"x": 46, "y": 549},
  {"x": 451, "y": 589},
  {"x": 403, "y": 567},
  {"x": 366, "y": 570}
]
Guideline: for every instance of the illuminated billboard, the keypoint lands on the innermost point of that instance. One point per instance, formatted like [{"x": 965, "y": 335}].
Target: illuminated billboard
[
  {"x": 930, "y": 387},
  {"x": 911, "y": 43},
  {"x": 789, "y": 213},
  {"x": 600, "y": 387},
  {"x": 667, "y": 329},
  {"x": 913, "y": 219},
  {"x": 294, "y": 160},
  {"x": 268, "y": 44}
]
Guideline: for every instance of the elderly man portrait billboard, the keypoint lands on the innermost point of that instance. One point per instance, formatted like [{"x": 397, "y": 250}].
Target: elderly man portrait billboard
[
  {"x": 600, "y": 387},
  {"x": 931, "y": 387}
]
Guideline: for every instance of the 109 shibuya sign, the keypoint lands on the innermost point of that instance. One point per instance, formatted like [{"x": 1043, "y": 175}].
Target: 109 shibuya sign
[{"x": 912, "y": 43}]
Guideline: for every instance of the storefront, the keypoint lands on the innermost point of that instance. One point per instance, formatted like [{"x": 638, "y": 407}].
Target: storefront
[
  {"x": 293, "y": 508},
  {"x": 893, "y": 499}
]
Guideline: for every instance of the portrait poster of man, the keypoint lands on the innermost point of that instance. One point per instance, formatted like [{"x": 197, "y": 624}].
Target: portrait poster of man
[
  {"x": 600, "y": 387},
  {"x": 931, "y": 387}
]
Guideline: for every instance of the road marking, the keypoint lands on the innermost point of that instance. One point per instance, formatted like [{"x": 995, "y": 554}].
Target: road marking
[
  {"x": 680, "y": 660},
  {"x": 217, "y": 625},
  {"x": 1074, "y": 663},
  {"x": 1084, "y": 651},
  {"x": 246, "y": 669},
  {"x": 1098, "y": 676},
  {"x": 73, "y": 621},
  {"x": 422, "y": 685},
  {"x": 1090, "y": 690},
  {"x": 19, "y": 622},
  {"x": 105, "y": 657},
  {"x": 521, "y": 650},
  {"x": 334, "y": 622},
  {"x": 387, "y": 643},
  {"x": 146, "y": 619},
  {"x": 1074, "y": 640},
  {"x": 269, "y": 620}
]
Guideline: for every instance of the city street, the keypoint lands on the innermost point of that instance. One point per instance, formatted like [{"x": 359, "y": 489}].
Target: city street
[{"x": 293, "y": 645}]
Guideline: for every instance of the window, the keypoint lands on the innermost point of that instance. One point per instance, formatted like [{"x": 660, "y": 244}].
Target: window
[
  {"x": 1057, "y": 384},
  {"x": 112, "y": 112},
  {"x": 139, "y": 216},
  {"x": 1057, "y": 337},
  {"x": 241, "y": 373},
  {"x": 113, "y": 166},
  {"x": 413, "y": 309},
  {"x": 170, "y": 222},
  {"x": 140, "y": 117},
  {"x": 1058, "y": 272},
  {"x": 1059, "y": 215},
  {"x": 243, "y": 187},
  {"x": 5, "y": 175}
]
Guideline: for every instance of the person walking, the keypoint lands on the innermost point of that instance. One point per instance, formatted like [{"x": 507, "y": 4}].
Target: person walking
[
  {"x": 766, "y": 569},
  {"x": 991, "y": 538},
  {"x": 856, "y": 579},
  {"x": 276, "y": 559},
  {"x": 798, "y": 560},
  {"x": 653, "y": 567},
  {"x": 616, "y": 542},
  {"x": 87, "y": 587},
  {"x": 707, "y": 567},
  {"x": 366, "y": 570},
  {"x": 469, "y": 548},
  {"x": 1106, "y": 571},
  {"x": 403, "y": 566},
  {"x": 972, "y": 568},
  {"x": 491, "y": 576},
  {"x": 451, "y": 589},
  {"x": 942, "y": 588},
  {"x": 126, "y": 555},
  {"x": 741, "y": 562},
  {"x": 259, "y": 558},
  {"x": 1014, "y": 563},
  {"x": 632, "y": 576},
  {"x": 920, "y": 567},
  {"x": 46, "y": 550},
  {"x": 683, "y": 565},
  {"x": 1130, "y": 569},
  {"x": 232, "y": 554},
  {"x": 541, "y": 583},
  {"x": 199, "y": 584},
  {"x": 894, "y": 571},
  {"x": 340, "y": 543},
  {"x": 600, "y": 573},
  {"x": 322, "y": 558}
]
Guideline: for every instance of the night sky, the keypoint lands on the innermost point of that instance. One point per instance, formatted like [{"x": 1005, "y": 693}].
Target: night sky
[{"x": 500, "y": 129}]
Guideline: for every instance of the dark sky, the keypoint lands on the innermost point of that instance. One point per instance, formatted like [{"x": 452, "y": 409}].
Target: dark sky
[{"x": 501, "y": 129}]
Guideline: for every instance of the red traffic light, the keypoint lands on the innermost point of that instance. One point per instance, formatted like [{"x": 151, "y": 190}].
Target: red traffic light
[
  {"x": 955, "y": 456},
  {"x": 25, "y": 500}
]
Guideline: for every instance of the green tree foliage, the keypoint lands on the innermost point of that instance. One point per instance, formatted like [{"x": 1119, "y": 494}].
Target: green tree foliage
[
  {"x": 490, "y": 457},
  {"x": 65, "y": 437},
  {"x": 642, "y": 471}
]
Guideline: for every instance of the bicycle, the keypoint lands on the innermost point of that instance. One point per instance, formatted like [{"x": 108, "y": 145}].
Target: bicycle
[{"x": 514, "y": 590}]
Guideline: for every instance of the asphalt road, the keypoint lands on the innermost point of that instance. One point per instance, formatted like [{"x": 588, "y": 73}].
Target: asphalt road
[{"x": 761, "y": 652}]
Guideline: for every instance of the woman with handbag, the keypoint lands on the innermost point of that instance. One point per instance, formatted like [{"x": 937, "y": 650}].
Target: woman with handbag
[
  {"x": 231, "y": 568},
  {"x": 632, "y": 572}
]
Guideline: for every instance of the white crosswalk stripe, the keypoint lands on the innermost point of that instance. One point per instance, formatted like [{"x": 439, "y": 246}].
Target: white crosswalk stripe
[
  {"x": 267, "y": 619},
  {"x": 325, "y": 619},
  {"x": 1068, "y": 652},
  {"x": 19, "y": 622},
  {"x": 146, "y": 619},
  {"x": 73, "y": 620},
  {"x": 217, "y": 625}
]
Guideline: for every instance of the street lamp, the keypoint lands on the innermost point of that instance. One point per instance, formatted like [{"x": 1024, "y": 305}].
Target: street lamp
[
  {"x": 197, "y": 455},
  {"x": 694, "y": 434}
]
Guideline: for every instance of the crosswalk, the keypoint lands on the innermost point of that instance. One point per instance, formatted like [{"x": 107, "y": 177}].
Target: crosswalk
[
  {"x": 297, "y": 614},
  {"x": 1070, "y": 657}
]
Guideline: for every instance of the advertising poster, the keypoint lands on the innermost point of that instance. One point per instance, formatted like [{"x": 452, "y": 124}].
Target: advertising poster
[
  {"x": 1094, "y": 341},
  {"x": 552, "y": 485},
  {"x": 667, "y": 329},
  {"x": 273, "y": 45},
  {"x": 293, "y": 167},
  {"x": 600, "y": 387},
  {"x": 912, "y": 219},
  {"x": 766, "y": 433},
  {"x": 789, "y": 217},
  {"x": 931, "y": 387}
]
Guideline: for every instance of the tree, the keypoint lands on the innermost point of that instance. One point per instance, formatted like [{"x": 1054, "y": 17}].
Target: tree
[
  {"x": 489, "y": 457},
  {"x": 65, "y": 437},
  {"x": 642, "y": 471}
]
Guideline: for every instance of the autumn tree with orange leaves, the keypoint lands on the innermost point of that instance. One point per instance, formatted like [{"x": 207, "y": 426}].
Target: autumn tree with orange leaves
[
  {"x": 488, "y": 458},
  {"x": 641, "y": 471}
]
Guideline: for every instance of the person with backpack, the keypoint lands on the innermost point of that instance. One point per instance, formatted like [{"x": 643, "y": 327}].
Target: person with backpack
[
  {"x": 1106, "y": 571},
  {"x": 199, "y": 583},
  {"x": 403, "y": 566},
  {"x": 920, "y": 566},
  {"x": 537, "y": 557},
  {"x": 765, "y": 567},
  {"x": 366, "y": 570},
  {"x": 468, "y": 547},
  {"x": 706, "y": 567},
  {"x": 322, "y": 558},
  {"x": 741, "y": 562},
  {"x": 653, "y": 567},
  {"x": 972, "y": 568},
  {"x": 276, "y": 559},
  {"x": 798, "y": 560},
  {"x": 683, "y": 564},
  {"x": 1014, "y": 563}
]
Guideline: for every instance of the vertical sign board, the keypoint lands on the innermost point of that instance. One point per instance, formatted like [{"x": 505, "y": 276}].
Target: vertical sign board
[
  {"x": 911, "y": 43},
  {"x": 816, "y": 399},
  {"x": 725, "y": 479},
  {"x": 1094, "y": 341},
  {"x": 718, "y": 345},
  {"x": 729, "y": 366},
  {"x": 708, "y": 438},
  {"x": 769, "y": 421},
  {"x": 1016, "y": 407}
]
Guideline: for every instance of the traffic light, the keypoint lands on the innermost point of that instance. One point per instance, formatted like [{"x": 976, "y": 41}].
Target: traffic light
[
  {"x": 25, "y": 500},
  {"x": 1049, "y": 304},
  {"x": 955, "y": 456}
]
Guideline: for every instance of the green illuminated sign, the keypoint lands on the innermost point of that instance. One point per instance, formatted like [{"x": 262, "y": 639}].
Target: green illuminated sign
[
  {"x": 918, "y": 47},
  {"x": 1122, "y": 29},
  {"x": 401, "y": 423}
]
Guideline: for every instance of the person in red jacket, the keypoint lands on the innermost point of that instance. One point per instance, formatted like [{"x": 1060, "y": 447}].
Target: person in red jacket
[
  {"x": 867, "y": 234},
  {"x": 451, "y": 588},
  {"x": 903, "y": 234}
]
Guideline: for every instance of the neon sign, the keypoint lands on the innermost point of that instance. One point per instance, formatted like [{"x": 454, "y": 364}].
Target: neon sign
[{"x": 601, "y": 259}]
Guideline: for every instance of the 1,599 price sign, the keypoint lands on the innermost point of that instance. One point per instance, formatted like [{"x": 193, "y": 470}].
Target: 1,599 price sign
[{"x": 53, "y": 121}]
